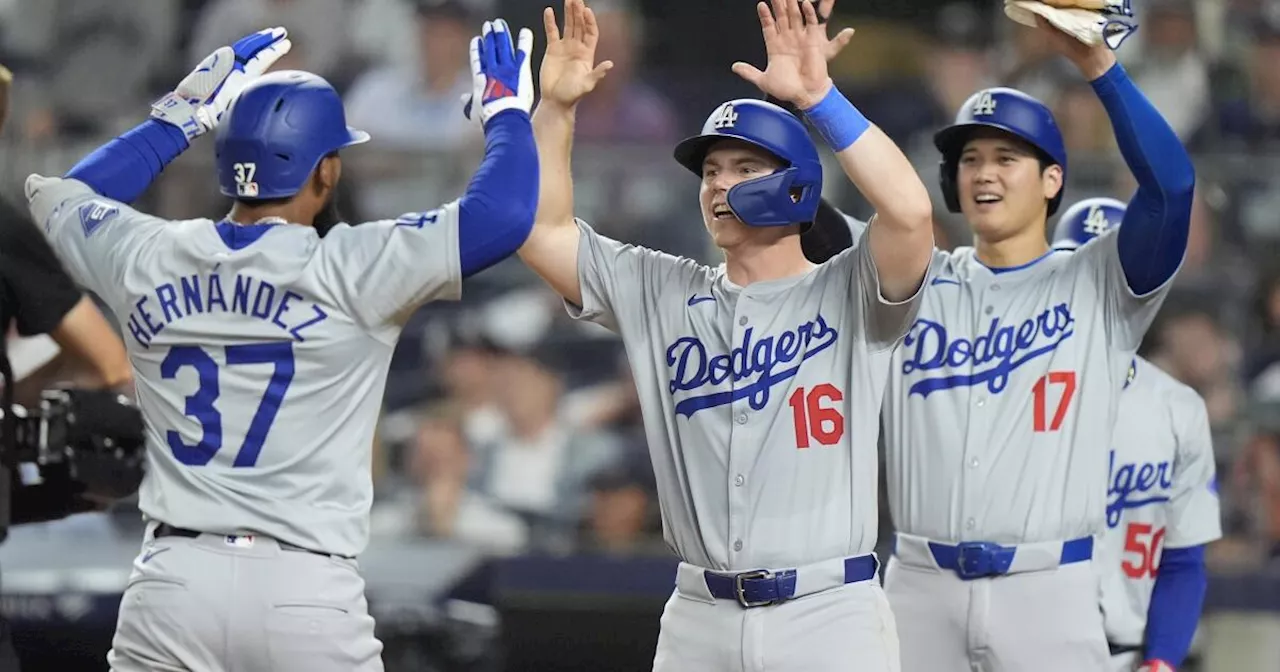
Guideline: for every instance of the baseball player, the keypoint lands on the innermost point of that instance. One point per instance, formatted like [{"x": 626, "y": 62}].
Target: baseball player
[
  {"x": 1162, "y": 501},
  {"x": 261, "y": 349},
  {"x": 998, "y": 424},
  {"x": 759, "y": 379}
]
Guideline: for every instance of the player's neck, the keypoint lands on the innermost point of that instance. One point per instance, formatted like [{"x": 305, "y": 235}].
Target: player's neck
[
  {"x": 752, "y": 261},
  {"x": 289, "y": 211},
  {"x": 1014, "y": 251}
]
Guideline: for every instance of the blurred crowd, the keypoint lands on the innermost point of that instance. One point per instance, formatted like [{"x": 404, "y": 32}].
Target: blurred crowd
[{"x": 509, "y": 426}]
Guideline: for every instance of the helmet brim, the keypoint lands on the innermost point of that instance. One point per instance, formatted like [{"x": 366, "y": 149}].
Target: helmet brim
[
  {"x": 691, "y": 152},
  {"x": 357, "y": 137},
  {"x": 950, "y": 141}
]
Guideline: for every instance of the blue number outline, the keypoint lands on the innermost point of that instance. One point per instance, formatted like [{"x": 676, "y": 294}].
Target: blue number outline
[{"x": 200, "y": 403}]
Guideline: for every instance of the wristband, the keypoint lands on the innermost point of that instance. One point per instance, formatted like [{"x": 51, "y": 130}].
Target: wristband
[{"x": 838, "y": 122}]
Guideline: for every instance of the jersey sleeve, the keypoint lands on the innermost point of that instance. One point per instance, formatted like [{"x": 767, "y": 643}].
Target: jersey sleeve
[
  {"x": 1127, "y": 315},
  {"x": 885, "y": 322},
  {"x": 95, "y": 237},
  {"x": 1194, "y": 512},
  {"x": 621, "y": 282},
  {"x": 381, "y": 272}
]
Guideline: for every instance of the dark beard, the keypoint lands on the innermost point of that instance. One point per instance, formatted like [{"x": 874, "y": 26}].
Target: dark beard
[{"x": 328, "y": 217}]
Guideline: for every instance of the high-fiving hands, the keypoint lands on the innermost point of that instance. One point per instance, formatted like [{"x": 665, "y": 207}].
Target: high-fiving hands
[
  {"x": 798, "y": 50},
  {"x": 569, "y": 71}
]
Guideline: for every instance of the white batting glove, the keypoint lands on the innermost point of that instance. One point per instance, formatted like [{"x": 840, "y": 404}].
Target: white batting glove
[
  {"x": 501, "y": 73},
  {"x": 197, "y": 104}
]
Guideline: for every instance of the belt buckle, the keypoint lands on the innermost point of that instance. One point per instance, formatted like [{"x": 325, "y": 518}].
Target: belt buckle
[
  {"x": 973, "y": 559},
  {"x": 740, "y": 590}
]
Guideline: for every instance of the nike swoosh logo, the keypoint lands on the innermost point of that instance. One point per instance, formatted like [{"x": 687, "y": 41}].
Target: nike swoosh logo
[
  {"x": 944, "y": 281},
  {"x": 153, "y": 553},
  {"x": 695, "y": 299}
]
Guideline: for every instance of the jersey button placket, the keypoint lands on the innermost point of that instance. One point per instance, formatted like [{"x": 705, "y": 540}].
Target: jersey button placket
[
  {"x": 741, "y": 441},
  {"x": 973, "y": 479}
]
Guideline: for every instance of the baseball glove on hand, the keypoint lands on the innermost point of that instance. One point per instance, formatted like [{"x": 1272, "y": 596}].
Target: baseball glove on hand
[
  {"x": 1090, "y": 21},
  {"x": 197, "y": 104}
]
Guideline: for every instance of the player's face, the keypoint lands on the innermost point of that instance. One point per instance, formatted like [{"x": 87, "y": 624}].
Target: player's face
[
  {"x": 1003, "y": 190},
  {"x": 727, "y": 164}
]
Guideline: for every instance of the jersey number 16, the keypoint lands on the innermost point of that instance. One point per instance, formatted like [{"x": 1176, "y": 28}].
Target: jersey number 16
[{"x": 200, "y": 404}]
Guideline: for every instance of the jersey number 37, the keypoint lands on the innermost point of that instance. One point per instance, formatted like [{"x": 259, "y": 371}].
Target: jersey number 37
[{"x": 200, "y": 404}]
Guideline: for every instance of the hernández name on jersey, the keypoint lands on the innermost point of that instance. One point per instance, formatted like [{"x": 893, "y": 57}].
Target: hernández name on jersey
[
  {"x": 242, "y": 294},
  {"x": 771, "y": 358},
  {"x": 1136, "y": 484},
  {"x": 992, "y": 356}
]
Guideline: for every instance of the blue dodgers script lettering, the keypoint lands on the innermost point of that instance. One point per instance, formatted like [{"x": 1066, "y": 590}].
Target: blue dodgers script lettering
[
  {"x": 993, "y": 355},
  {"x": 242, "y": 295},
  {"x": 694, "y": 368},
  {"x": 1135, "y": 485}
]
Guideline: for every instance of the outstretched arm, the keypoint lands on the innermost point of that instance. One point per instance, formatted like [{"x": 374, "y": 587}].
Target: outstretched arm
[
  {"x": 901, "y": 237},
  {"x": 567, "y": 75},
  {"x": 1153, "y": 238},
  {"x": 125, "y": 167}
]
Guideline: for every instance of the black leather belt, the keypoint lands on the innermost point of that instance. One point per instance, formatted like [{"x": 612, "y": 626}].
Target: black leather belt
[
  {"x": 167, "y": 530},
  {"x": 1121, "y": 649}
]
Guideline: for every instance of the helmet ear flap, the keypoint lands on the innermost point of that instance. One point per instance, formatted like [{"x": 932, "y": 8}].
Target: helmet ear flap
[{"x": 947, "y": 169}]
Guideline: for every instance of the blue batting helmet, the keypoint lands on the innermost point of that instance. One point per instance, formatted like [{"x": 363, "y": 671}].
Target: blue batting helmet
[
  {"x": 1087, "y": 220},
  {"x": 788, "y": 196},
  {"x": 275, "y": 133},
  {"x": 1004, "y": 109}
]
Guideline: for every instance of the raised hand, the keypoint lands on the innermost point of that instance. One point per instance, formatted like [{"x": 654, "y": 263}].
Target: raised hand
[
  {"x": 797, "y": 47},
  {"x": 196, "y": 105},
  {"x": 568, "y": 70},
  {"x": 836, "y": 44}
]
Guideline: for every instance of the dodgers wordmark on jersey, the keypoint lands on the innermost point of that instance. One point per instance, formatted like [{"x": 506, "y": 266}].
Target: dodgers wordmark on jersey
[
  {"x": 1162, "y": 493},
  {"x": 760, "y": 403},
  {"x": 999, "y": 416},
  {"x": 260, "y": 354}
]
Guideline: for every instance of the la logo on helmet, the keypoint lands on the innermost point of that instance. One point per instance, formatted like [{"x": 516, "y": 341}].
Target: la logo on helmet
[
  {"x": 1096, "y": 223},
  {"x": 725, "y": 117},
  {"x": 985, "y": 105}
]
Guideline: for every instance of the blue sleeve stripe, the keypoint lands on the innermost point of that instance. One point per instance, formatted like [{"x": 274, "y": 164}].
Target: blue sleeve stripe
[
  {"x": 1153, "y": 237},
  {"x": 496, "y": 214},
  {"x": 1176, "y": 603},
  {"x": 125, "y": 167}
]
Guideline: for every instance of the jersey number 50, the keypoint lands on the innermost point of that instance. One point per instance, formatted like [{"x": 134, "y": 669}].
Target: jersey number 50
[{"x": 200, "y": 403}]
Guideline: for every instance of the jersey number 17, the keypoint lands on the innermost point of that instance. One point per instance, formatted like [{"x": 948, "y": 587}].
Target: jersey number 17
[{"x": 199, "y": 404}]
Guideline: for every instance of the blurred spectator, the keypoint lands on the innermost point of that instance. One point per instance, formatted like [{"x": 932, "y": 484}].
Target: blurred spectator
[
  {"x": 1213, "y": 265},
  {"x": 1169, "y": 67},
  {"x": 1256, "y": 477},
  {"x": 541, "y": 468},
  {"x": 1251, "y": 120},
  {"x": 622, "y": 108},
  {"x": 471, "y": 378},
  {"x": 317, "y": 28},
  {"x": 1264, "y": 358},
  {"x": 1032, "y": 66},
  {"x": 1188, "y": 343},
  {"x": 97, "y": 64},
  {"x": 439, "y": 466},
  {"x": 956, "y": 65},
  {"x": 418, "y": 106},
  {"x": 623, "y": 516}
]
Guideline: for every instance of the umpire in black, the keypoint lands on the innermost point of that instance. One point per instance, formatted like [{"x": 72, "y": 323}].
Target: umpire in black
[{"x": 38, "y": 297}]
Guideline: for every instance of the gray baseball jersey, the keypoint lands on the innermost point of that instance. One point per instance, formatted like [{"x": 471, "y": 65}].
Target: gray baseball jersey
[
  {"x": 1162, "y": 493},
  {"x": 260, "y": 354},
  {"x": 760, "y": 403},
  {"x": 997, "y": 426}
]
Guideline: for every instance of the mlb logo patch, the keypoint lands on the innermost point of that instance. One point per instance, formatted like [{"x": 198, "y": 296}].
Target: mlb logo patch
[
  {"x": 240, "y": 541},
  {"x": 94, "y": 214},
  {"x": 247, "y": 189}
]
